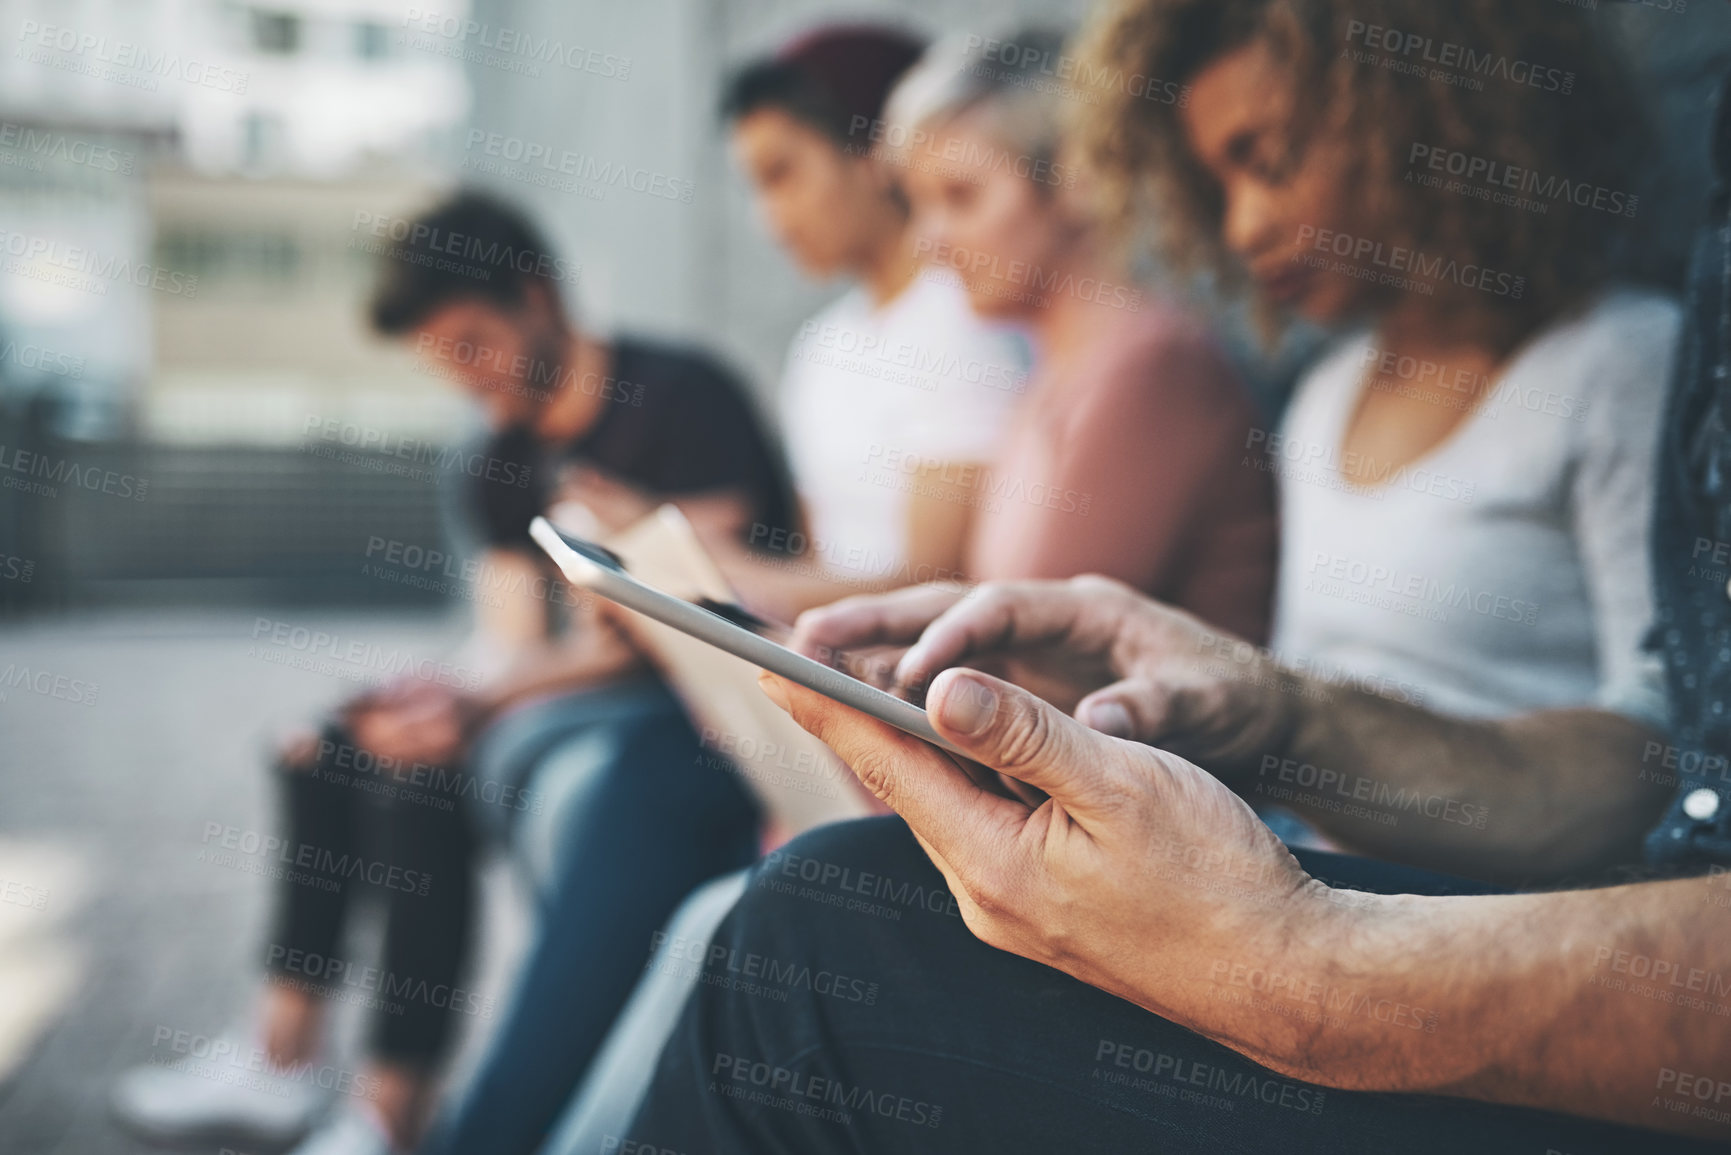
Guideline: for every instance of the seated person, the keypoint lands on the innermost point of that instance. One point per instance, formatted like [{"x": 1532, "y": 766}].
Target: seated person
[
  {"x": 635, "y": 415},
  {"x": 1153, "y": 969}
]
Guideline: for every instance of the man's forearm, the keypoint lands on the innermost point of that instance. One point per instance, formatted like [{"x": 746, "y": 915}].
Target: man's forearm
[
  {"x": 1612, "y": 1003},
  {"x": 1537, "y": 797}
]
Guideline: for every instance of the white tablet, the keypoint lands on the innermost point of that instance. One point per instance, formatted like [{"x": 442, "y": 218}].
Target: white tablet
[{"x": 593, "y": 567}]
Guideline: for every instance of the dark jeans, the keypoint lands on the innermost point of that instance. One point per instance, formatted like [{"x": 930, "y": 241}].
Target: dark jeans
[
  {"x": 665, "y": 816},
  {"x": 878, "y": 1023},
  {"x": 350, "y": 828}
]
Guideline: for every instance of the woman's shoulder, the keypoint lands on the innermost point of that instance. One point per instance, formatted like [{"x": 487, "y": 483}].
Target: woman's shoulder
[
  {"x": 1616, "y": 354},
  {"x": 1164, "y": 353},
  {"x": 1619, "y": 334}
]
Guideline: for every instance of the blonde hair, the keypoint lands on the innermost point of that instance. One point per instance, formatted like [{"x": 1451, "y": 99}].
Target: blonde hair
[{"x": 1013, "y": 99}]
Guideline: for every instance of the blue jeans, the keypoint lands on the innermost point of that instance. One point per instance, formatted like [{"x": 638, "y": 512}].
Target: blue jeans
[
  {"x": 863, "y": 1016},
  {"x": 658, "y": 816}
]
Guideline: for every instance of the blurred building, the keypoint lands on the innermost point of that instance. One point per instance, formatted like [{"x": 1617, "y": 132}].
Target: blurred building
[
  {"x": 188, "y": 137},
  {"x": 182, "y": 288}
]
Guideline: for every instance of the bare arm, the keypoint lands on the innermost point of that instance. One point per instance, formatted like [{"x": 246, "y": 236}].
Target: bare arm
[
  {"x": 593, "y": 654},
  {"x": 941, "y": 513},
  {"x": 1607, "y": 1003},
  {"x": 514, "y": 596},
  {"x": 515, "y": 657},
  {"x": 1536, "y": 797},
  {"x": 510, "y": 601}
]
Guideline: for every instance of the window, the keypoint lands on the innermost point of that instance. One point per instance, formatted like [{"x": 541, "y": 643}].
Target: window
[
  {"x": 276, "y": 33},
  {"x": 270, "y": 258},
  {"x": 372, "y": 40}
]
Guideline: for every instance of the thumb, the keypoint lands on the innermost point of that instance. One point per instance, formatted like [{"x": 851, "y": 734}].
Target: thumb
[{"x": 1004, "y": 727}]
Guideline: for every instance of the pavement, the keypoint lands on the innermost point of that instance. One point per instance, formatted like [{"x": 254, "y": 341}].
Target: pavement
[{"x": 128, "y": 738}]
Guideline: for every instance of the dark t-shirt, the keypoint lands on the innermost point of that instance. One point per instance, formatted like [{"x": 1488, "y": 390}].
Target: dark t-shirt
[{"x": 675, "y": 422}]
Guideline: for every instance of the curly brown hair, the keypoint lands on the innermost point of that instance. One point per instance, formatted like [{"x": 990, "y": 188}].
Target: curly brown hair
[{"x": 1578, "y": 122}]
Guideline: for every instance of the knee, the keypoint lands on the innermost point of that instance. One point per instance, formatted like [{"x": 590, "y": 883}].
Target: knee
[
  {"x": 865, "y": 872},
  {"x": 860, "y": 897},
  {"x": 879, "y": 845}
]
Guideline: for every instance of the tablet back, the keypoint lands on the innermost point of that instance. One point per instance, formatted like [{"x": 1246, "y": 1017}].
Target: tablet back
[{"x": 797, "y": 779}]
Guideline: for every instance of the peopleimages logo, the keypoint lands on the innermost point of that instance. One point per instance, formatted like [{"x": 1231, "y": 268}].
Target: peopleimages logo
[
  {"x": 1076, "y": 75},
  {"x": 223, "y": 1060},
  {"x": 59, "y": 146},
  {"x": 816, "y": 1096},
  {"x": 1488, "y": 177},
  {"x": 1456, "y": 63},
  {"x": 366, "y": 439},
  {"x": 1029, "y": 282},
  {"x": 329, "y": 973},
  {"x": 516, "y": 42},
  {"x": 443, "y": 248},
  {"x": 1335, "y": 787},
  {"x": 1289, "y": 456},
  {"x": 590, "y": 170},
  {"x": 85, "y": 269},
  {"x": 26, "y": 471},
  {"x": 48, "y": 684},
  {"x": 89, "y": 54},
  {"x": 958, "y": 157},
  {"x": 922, "y": 362},
  {"x": 322, "y": 867},
  {"x": 1397, "y": 262},
  {"x": 41, "y": 359},
  {"x": 1231, "y": 1085}
]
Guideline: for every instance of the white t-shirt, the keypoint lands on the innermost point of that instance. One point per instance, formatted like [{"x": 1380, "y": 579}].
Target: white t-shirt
[
  {"x": 1507, "y": 569},
  {"x": 870, "y": 393}
]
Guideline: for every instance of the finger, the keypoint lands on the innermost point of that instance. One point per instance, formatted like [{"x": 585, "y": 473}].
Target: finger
[
  {"x": 927, "y": 787},
  {"x": 871, "y": 620},
  {"x": 998, "y": 616},
  {"x": 876, "y": 665},
  {"x": 1003, "y": 726}
]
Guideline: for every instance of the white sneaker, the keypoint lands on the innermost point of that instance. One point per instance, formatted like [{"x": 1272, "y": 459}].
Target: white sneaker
[
  {"x": 354, "y": 1130},
  {"x": 226, "y": 1093}
]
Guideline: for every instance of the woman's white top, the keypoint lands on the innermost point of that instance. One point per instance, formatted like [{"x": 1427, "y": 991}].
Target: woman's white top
[
  {"x": 870, "y": 393},
  {"x": 1506, "y": 570}
]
